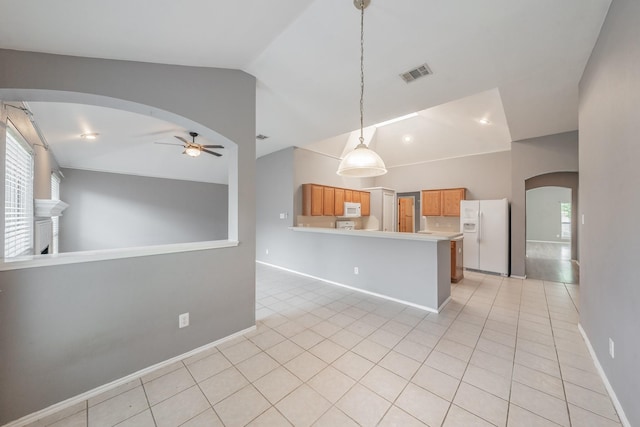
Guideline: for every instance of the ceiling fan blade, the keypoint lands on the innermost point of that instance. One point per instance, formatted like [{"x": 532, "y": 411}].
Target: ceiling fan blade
[
  {"x": 211, "y": 152},
  {"x": 212, "y": 146},
  {"x": 168, "y": 143},
  {"x": 182, "y": 139}
]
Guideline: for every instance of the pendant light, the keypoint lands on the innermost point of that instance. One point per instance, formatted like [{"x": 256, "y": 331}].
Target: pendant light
[{"x": 362, "y": 162}]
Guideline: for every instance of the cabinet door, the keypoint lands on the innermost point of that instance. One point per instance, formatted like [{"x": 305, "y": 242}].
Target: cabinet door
[
  {"x": 431, "y": 202},
  {"x": 365, "y": 201},
  {"x": 317, "y": 195},
  {"x": 348, "y": 195},
  {"x": 451, "y": 201},
  {"x": 355, "y": 198},
  {"x": 338, "y": 197},
  {"x": 328, "y": 203}
]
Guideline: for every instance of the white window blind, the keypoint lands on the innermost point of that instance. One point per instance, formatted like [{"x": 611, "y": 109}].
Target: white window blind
[
  {"x": 55, "y": 221},
  {"x": 18, "y": 199}
]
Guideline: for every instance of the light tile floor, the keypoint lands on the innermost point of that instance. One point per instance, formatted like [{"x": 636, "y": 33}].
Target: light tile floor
[{"x": 502, "y": 352}]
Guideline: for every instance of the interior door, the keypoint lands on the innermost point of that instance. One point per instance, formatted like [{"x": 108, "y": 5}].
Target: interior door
[{"x": 405, "y": 215}]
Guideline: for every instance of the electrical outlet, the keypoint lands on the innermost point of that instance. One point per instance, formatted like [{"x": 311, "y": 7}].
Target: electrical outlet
[
  {"x": 266, "y": 251},
  {"x": 283, "y": 215},
  {"x": 611, "y": 349},
  {"x": 356, "y": 270},
  {"x": 582, "y": 219},
  {"x": 183, "y": 320}
]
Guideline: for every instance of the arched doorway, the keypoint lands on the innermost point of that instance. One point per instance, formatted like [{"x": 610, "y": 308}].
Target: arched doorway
[{"x": 551, "y": 227}]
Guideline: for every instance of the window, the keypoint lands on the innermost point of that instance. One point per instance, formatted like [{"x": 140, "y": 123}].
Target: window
[
  {"x": 565, "y": 221},
  {"x": 18, "y": 199},
  {"x": 55, "y": 195}
]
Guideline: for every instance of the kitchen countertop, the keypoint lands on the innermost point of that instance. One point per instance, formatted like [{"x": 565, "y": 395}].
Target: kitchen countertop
[
  {"x": 450, "y": 234},
  {"x": 421, "y": 235}
]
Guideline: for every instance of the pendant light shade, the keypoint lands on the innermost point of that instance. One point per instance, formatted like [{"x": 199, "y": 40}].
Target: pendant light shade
[{"x": 362, "y": 162}]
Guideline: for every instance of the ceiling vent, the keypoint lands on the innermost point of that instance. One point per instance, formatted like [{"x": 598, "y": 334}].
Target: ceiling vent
[
  {"x": 416, "y": 73},
  {"x": 261, "y": 137}
]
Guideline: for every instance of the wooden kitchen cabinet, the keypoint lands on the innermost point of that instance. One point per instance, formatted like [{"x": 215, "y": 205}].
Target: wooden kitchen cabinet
[
  {"x": 431, "y": 202},
  {"x": 312, "y": 199},
  {"x": 456, "y": 261},
  {"x": 322, "y": 200},
  {"x": 348, "y": 195},
  {"x": 328, "y": 201},
  {"x": 442, "y": 202},
  {"x": 451, "y": 201},
  {"x": 338, "y": 202},
  {"x": 365, "y": 203}
]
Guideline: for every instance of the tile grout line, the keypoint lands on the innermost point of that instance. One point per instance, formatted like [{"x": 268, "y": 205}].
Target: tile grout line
[{"x": 146, "y": 396}]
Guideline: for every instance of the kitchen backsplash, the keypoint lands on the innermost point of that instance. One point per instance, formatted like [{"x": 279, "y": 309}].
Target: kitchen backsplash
[
  {"x": 323, "y": 221},
  {"x": 440, "y": 223}
]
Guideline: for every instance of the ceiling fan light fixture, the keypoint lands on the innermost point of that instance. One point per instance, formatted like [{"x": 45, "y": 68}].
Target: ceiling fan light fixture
[
  {"x": 192, "y": 151},
  {"x": 91, "y": 136},
  {"x": 362, "y": 162}
]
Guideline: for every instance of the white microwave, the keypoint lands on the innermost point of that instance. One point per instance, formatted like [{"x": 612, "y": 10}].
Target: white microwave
[{"x": 352, "y": 210}]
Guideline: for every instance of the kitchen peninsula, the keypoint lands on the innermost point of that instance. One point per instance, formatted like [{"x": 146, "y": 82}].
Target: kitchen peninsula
[{"x": 410, "y": 268}]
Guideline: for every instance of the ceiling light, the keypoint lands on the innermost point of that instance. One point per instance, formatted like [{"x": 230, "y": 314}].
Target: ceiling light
[
  {"x": 484, "y": 122},
  {"x": 362, "y": 162},
  {"x": 397, "y": 119},
  {"x": 89, "y": 135},
  {"x": 192, "y": 151},
  {"x": 407, "y": 139}
]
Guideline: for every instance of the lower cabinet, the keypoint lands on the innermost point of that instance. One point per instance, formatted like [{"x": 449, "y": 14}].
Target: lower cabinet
[{"x": 456, "y": 261}]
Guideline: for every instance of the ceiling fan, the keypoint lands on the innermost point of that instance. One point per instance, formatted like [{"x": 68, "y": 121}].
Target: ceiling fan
[{"x": 193, "y": 149}]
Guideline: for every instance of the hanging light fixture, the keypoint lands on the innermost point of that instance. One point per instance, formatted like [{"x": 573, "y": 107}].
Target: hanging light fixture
[{"x": 362, "y": 162}]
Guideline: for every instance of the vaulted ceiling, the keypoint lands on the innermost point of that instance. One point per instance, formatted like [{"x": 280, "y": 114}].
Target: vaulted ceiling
[{"x": 305, "y": 56}]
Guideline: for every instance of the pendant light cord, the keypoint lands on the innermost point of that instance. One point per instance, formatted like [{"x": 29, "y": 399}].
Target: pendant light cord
[{"x": 361, "y": 71}]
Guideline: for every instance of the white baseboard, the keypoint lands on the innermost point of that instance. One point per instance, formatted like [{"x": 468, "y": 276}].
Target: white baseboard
[
  {"x": 27, "y": 419},
  {"x": 612, "y": 394},
  {"x": 518, "y": 277},
  {"x": 342, "y": 285}
]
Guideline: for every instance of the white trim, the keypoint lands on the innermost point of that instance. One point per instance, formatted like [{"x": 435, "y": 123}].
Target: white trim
[
  {"x": 612, "y": 394},
  {"x": 106, "y": 387},
  {"x": 518, "y": 277},
  {"x": 331, "y": 282},
  {"x": 18, "y": 263},
  {"x": 559, "y": 242}
]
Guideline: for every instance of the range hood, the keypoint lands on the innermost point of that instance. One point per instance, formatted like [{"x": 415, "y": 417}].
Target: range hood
[{"x": 49, "y": 207}]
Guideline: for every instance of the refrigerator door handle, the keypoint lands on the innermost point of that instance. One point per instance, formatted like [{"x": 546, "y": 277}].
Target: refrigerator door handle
[{"x": 478, "y": 234}]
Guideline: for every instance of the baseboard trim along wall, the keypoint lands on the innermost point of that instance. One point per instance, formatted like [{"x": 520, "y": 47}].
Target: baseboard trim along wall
[
  {"x": 342, "y": 285},
  {"x": 605, "y": 380},
  {"x": 513, "y": 276},
  {"x": 27, "y": 419}
]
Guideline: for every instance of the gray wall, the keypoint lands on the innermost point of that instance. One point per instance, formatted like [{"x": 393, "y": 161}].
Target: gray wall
[
  {"x": 529, "y": 158},
  {"x": 485, "y": 176},
  {"x": 543, "y": 213},
  {"x": 82, "y": 325},
  {"x": 609, "y": 177},
  {"x": 109, "y": 210}
]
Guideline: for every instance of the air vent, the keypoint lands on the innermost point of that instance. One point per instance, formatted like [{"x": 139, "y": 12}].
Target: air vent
[
  {"x": 261, "y": 137},
  {"x": 416, "y": 73}
]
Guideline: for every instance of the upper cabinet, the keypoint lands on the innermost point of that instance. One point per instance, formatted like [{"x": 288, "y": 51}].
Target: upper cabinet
[
  {"x": 444, "y": 202},
  {"x": 321, "y": 200},
  {"x": 431, "y": 202}
]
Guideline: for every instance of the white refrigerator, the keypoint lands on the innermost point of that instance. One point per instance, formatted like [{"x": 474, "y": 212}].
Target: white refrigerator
[{"x": 485, "y": 225}]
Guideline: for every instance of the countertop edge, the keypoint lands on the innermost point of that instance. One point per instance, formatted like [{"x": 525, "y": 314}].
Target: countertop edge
[{"x": 377, "y": 234}]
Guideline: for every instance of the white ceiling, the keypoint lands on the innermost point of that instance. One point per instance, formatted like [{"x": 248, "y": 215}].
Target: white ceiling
[
  {"x": 304, "y": 54},
  {"x": 126, "y": 143}
]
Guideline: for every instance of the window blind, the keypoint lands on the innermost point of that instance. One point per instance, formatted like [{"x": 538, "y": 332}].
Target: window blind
[
  {"x": 55, "y": 221},
  {"x": 18, "y": 201}
]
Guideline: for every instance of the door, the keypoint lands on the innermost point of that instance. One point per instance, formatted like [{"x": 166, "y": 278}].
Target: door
[
  {"x": 493, "y": 233},
  {"x": 405, "y": 214},
  {"x": 388, "y": 209},
  {"x": 469, "y": 212}
]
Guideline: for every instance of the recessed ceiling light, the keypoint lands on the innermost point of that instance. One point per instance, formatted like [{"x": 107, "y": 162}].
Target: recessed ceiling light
[
  {"x": 89, "y": 135},
  {"x": 397, "y": 119},
  {"x": 407, "y": 139},
  {"x": 484, "y": 122}
]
